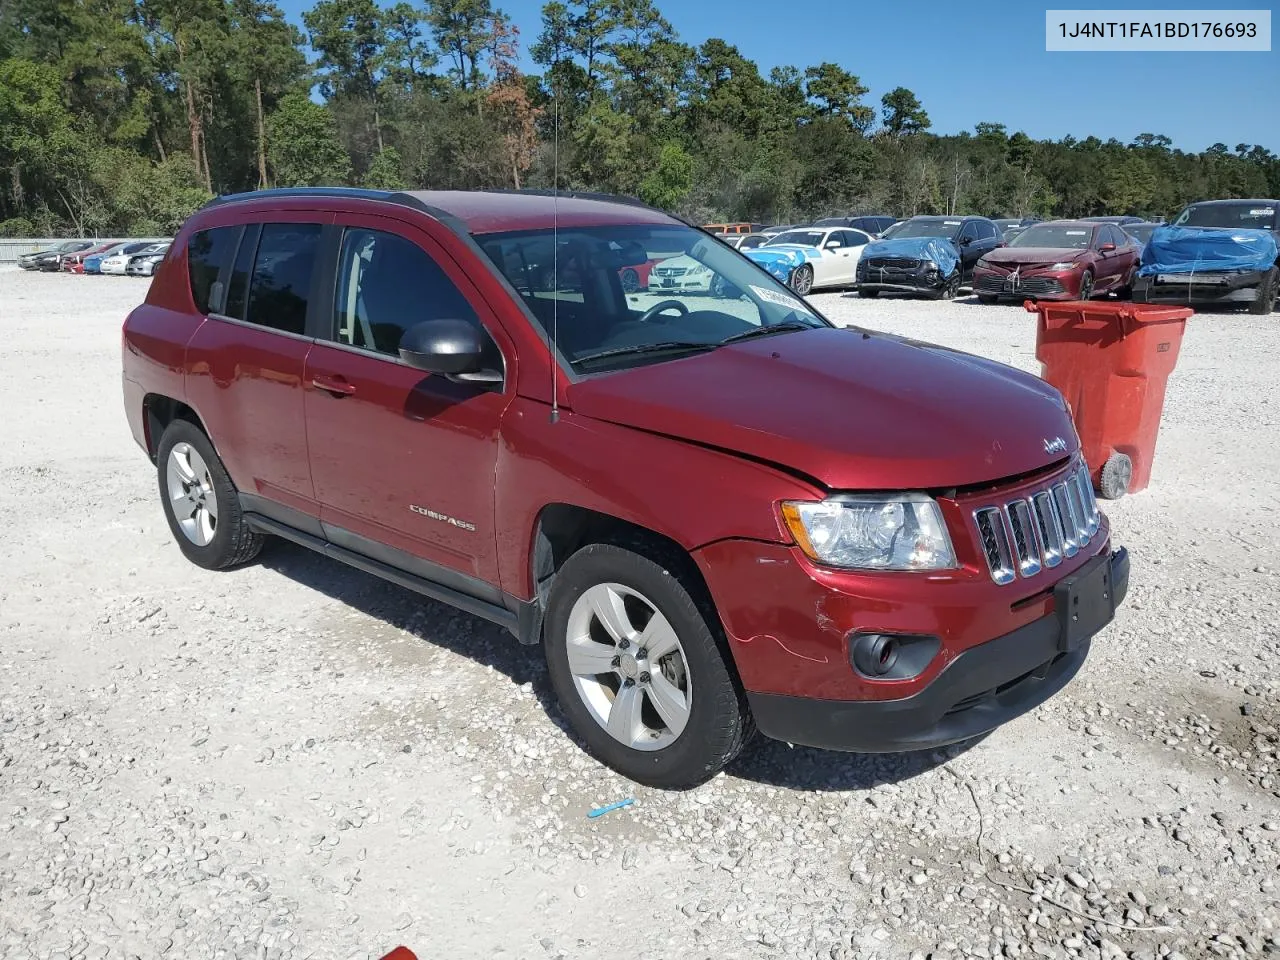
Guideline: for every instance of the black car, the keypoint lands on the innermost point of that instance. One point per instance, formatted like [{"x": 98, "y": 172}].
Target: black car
[
  {"x": 874, "y": 224},
  {"x": 881, "y": 270},
  {"x": 51, "y": 259},
  {"x": 1257, "y": 289}
]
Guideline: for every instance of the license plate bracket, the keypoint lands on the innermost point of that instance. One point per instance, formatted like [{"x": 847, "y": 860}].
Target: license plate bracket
[{"x": 1085, "y": 602}]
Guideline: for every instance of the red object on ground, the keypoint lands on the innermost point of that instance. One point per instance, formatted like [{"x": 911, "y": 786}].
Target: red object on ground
[
  {"x": 1111, "y": 361},
  {"x": 401, "y": 953}
]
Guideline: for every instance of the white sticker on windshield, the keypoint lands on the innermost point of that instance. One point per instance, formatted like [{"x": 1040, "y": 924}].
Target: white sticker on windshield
[
  {"x": 1262, "y": 212},
  {"x": 951, "y": 223},
  {"x": 781, "y": 299},
  {"x": 1077, "y": 233}
]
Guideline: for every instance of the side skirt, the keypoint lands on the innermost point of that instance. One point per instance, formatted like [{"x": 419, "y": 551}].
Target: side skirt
[{"x": 522, "y": 617}]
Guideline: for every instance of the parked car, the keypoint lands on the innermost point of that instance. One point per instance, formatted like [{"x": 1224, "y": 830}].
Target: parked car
[
  {"x": 1119, "y": 221},
  {"x": 1058, "y": 260},
  {"x": 35, "y": 261},
  {"x": 905, "y": 262},
  {"x": 777, "y": 228},
  {"x": 1215, "y": 251},
  {"x": 746, "y": 241},
  {"x": 733, "y": 227},
  {"x": 1140, "y": 232},
  {"x": 872, "y": 224},
  {"x": 812, "y": 257},
  {"x": 144, "y": 262},
  {"x": 711, "y": 517},
  {"x": 74, "y": 262},
  {"x": 93, "y": 262},
  {"x": 117, "y": 262},
  {"x": 888, "y": 232}
]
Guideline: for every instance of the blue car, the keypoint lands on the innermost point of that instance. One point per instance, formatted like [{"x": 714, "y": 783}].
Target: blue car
[{"x": 94, "y": 264}]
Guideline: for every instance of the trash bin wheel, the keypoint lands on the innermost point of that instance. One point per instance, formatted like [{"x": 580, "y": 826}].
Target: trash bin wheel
[{"x": 1117, "y": 472}]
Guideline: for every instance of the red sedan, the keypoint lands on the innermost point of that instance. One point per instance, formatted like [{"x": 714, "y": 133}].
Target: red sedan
[
  {"x": 74, "y": 262},
  {"x": 1059, "y": 260}
]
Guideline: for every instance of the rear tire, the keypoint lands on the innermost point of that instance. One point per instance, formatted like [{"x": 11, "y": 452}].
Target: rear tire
[
  {"x": 685, "y": 716},
  {"x": 1265, "y": 300},
  {"x": 200, "y": 501}
]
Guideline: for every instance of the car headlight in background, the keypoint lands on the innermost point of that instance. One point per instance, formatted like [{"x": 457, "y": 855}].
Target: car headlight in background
[
  {"x": 982, "y": 262},
  {"x": 897, "y": 532},
  {"x": 1064, "y": 266}
]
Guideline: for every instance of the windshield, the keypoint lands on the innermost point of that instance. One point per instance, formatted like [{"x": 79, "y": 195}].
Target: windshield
[
  {"x": 641, "y": 293},
  {"x": 928, "y": 228},
  {"x": 1140, "y": 231},
  {"x": 1254, "y": 216},
  {"x": 809, "y": 238},
  {"x": 1053, "y": 235}
]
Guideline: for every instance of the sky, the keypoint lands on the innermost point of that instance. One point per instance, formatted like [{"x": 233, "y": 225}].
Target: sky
[{"x": 984, "y": 60}]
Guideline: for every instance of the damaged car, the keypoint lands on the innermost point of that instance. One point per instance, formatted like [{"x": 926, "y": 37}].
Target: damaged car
[
  {"x": 1216, "y": 251},
  {"x": 1060, "y": 260},
  {"x": 931, "y": 255}
]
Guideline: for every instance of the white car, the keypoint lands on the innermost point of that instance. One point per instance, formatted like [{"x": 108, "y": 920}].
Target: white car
[
  {"x": 118, "y": 260},
  {"x": 810, "y": 257},
  {"x": 144, "y": 262},
  {"x": 682, "y": 274}
]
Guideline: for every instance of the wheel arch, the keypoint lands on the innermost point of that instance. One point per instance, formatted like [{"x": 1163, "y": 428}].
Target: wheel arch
[{"x": 158, "y": 411}]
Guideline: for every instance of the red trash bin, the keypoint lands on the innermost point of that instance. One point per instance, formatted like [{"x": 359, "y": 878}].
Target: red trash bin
[{"x": 1111, "y": 361}]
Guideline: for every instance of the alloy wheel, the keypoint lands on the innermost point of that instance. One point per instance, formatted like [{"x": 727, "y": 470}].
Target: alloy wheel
[
  {"x": 628, "y": 666},
  {"x": 191, "y": 494}
]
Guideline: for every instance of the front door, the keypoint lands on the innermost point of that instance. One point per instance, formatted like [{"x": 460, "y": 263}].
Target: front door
[{"x": 403, "y": 461}]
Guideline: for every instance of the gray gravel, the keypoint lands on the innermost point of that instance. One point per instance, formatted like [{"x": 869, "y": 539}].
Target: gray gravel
[{"x": 297, "y": 760}]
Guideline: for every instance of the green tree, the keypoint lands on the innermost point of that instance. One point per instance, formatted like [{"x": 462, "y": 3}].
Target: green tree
[
  {"x": 839, "y": 94},
  {"x": 670, "y": 180},
  {"x": 268, "y": 59},
  {"x": 386, "y": 172},
  {"x": 350, "y": 37},
  {"x": 902, "y": 113},
  {"x": 302, "y": 145}
]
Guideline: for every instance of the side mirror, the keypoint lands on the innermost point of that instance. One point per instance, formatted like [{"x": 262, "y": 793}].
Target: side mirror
[
  {"x": 965, "y": 241},
  {"x": 453, "y": 348},
  {"x": 831, "y": 245},
  {"x": 1107, "y": 247}
]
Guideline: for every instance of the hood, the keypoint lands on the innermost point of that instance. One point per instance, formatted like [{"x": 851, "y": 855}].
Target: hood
[
  {"x": 1012, "y": 255},
  {"x": 938, "y": 249},
  {"x": 854, "y": 411},
  {"x": 780, "y": 259},
  {"x": 1198, "y": 249}
]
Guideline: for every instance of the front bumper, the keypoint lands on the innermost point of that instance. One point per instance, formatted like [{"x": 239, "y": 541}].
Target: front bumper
[
  {"x": 900, "y": 279},
  {"x": 1041, "y": 285},
  {"x": 1205, "y": 287},
  {"x": 983, "y": 687}
]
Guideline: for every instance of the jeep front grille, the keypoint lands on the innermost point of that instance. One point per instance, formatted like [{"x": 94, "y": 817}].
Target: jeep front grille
[{"x": 1024, "y": 536}]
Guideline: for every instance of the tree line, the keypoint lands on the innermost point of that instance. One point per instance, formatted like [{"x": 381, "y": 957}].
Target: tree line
[{"x": 122, "y": 116}]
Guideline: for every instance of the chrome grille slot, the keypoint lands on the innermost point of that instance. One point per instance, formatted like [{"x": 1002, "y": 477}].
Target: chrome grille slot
[
  {"x": 1040, "y": 530},
  {"x": 1062, "y": 503},
  {"x": 995, "y": 543},
  {"x": 1024, "y": 537},
  {"x": 1091, "y": 518},
  {"x": 1050, "y": 529}
]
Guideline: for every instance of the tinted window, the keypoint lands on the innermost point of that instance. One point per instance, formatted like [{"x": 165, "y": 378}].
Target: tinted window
[
  {"x": 386, "y": 284},
  {"x": 969, "y": 230},
  {"x": 282, "y": 276},
  {"x": 238, "y": 284},
  {"x": 206, "y": 253}
]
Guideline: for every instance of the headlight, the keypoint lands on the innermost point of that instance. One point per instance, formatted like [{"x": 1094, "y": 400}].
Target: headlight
[
  {"x": 897, "y": 532},
  {"x": 982, "y": 262},
  {"x": 1070, "y": 265}
]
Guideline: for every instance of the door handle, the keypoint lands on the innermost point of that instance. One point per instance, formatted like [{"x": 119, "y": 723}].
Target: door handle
[{"x": 335, "y": 385}]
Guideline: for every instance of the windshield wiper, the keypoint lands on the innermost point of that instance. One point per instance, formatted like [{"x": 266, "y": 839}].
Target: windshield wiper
[
  {"x": 784, "y": 326},
  {"x": 659, "y": 347}
]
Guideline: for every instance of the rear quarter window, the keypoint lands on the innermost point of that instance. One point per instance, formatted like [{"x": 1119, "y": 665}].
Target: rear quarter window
[{"x": 207, "y": 251}]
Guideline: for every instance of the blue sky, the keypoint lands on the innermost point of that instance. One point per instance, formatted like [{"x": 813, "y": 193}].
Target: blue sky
[{"x": 984, "y": 60}]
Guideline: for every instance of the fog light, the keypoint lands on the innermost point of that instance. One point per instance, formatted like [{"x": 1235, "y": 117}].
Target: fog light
[{"x": 891, "y": 656}]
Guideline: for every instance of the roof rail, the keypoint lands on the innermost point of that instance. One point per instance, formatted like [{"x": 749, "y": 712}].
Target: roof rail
[
  {"x": 359, "y": 193},
  {"x": 577, "y": 195}
]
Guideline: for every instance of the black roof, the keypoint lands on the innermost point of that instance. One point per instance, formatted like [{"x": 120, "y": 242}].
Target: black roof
[{"x": 1215, "y": 203}]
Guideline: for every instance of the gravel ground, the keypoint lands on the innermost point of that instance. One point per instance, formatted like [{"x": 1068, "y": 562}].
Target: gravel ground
[{"x": 297, "y": 760}]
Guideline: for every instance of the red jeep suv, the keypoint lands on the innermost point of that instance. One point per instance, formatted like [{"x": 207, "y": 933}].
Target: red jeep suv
[{"x": 716, "y": 511}]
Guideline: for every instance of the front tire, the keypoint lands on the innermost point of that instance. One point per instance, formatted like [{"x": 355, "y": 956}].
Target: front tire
[
  {"x": 950, "y": 288},
  {"x": 802, "y": 279},
  {"x": 200, "y": 501},
  {"x": 638, "y": 670},
  {"x": 630, "y": 280},
  {"x": 1265, "y": 299},
  {"x": 1086, "y": 286}
]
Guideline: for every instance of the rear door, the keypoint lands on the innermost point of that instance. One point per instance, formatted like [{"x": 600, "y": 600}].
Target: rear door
[
  {"x": 256, "y": 285},
  {"x": 403, "y": 460}
]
